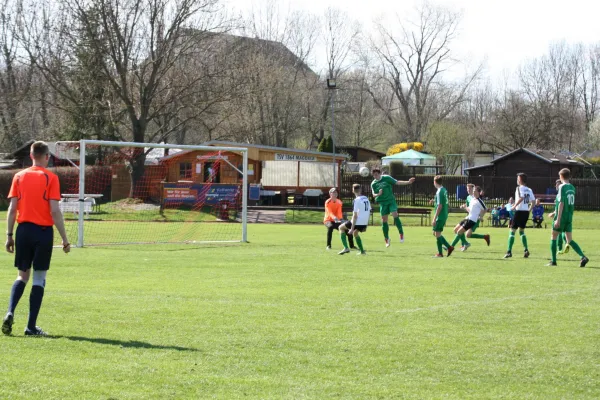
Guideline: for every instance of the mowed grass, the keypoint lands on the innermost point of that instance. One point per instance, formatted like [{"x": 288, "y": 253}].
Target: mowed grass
[{"x": 281, "y": 318}]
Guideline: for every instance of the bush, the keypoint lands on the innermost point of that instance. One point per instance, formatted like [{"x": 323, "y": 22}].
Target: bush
[{"x": 400, "y": 147}]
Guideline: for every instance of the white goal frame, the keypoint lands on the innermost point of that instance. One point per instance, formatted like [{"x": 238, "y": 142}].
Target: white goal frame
[{"x": 82, "y": 153}]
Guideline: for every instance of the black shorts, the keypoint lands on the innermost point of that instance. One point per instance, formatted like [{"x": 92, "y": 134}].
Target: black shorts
[
  {"x": 520, "y": 219},
  {"x": 360, "y": 228},
  {"x": 333, "y": 225},
  {"x": 467, "y": 224},
  {"x": 33, "y": 246}
]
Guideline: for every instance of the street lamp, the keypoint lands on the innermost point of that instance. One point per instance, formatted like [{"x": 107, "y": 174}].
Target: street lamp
[{"x": 331, "y": 86}]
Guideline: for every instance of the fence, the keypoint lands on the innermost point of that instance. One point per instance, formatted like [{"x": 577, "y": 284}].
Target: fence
[
  {"x": 497, "y": 190},
  {"x": 298, "y": 174}
]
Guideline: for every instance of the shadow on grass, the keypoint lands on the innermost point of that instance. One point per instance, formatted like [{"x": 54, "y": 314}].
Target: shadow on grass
[{"x": 124, "y": 343}]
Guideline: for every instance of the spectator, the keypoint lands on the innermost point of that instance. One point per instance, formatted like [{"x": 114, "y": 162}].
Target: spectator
[
  {"x": 538, "y": 214},
  {"x": 503, "y": 216},
  {"x": 496, "y": 216},
  {"x": 509, "y": 207}
]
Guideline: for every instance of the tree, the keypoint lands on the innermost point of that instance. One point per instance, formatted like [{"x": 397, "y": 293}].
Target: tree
[
  {"x": 446, "y": 138},
  {"x": 15, "y": 79},
  {"x": 413, "y": 65},
  {"x": 135, "y": 45}
]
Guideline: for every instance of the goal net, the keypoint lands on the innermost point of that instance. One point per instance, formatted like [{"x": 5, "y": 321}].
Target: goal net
[{"x": 144, "y": 193}]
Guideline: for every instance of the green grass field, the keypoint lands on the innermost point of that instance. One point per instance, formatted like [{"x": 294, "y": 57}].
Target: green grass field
[{"x": 281, "y": 318}]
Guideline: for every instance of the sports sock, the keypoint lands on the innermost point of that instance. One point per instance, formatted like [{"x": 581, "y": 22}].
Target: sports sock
[
  {"x": 398, "y": 224},
  {"x": 524, "y": 239},
  {"x": 460, "y": 238},
  {"x": 553, "y": 249},
  {"x": 386, "y": 230},
  {"x": 576, "y": 247},
  {"x": 477, "y": 236},
  {"x": 344, "y": 240},
  {"x": 511, "y": 241},
  {"x": 445, "y": 242},
  {"x": 359, "y": 243},
  {"x": 439, "y": 245},
  {"x": 15, "y": 295},
  {"x": 351, "y": 240},
  {"x": 560, "y": 242},
  {"x": 35, "y": 303}
]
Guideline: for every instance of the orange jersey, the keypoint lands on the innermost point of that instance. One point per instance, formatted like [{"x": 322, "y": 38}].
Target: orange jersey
[
  {"x": 34, "y": 187},
  {"x": 333, "y": 210}
]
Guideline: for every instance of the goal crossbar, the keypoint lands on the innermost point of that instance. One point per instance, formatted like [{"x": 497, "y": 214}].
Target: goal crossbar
[{"x": 82, "y": 162}]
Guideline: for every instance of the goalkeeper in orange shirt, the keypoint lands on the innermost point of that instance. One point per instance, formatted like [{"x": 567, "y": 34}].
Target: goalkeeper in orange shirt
[{"x": 333, "y": 217}]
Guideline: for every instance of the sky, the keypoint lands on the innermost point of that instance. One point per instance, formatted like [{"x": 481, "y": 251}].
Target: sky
[{"x": 503, "y": 33}]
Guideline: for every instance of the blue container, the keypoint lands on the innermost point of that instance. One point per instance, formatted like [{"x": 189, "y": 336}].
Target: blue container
[{"x": 461, "y": 192}]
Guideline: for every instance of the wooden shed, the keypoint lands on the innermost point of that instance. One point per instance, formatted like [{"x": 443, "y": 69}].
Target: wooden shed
[{"x": 535, "y": 163}]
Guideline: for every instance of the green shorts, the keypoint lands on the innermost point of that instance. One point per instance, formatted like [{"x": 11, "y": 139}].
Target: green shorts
[
  {"x": 439, "y": 224},
  {"x": 566, "y": 226},
  {"x": 387, "y": 208}
]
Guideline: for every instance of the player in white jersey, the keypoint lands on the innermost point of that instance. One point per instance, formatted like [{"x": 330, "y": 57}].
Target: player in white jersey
[
  {"x": 524, "y": 200},
  {"x": 360, "y": 219},
  {"x": 476, "y": 210}
]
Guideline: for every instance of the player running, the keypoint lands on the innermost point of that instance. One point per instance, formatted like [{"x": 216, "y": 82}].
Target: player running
[
  {"x": 440, "y": 217},
  {"x": 563, "y": 218},
  {"x": 477, "y": 210},
  {"x": 360, "y": 220},
  {"x": 383, "y": 193},
  {"x": 522, "y": 207},
  {"x": 34, "y": 197}
]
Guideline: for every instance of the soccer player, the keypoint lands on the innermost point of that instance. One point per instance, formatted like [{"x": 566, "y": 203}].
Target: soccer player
[
  {"x": 360, "y": 221},
  {"x": 34, "y": 197},
  {"x": 561, "y": 237},
  {"x": 476, "y": 210},
  {"x": 522, "y": 207},
  {"x": 333, "y": 217},
  {"x": 440, "y": 217},
  {"x": 382, "y": 187},
  {"x": 563, "y": 218},
  {"x": 473, "y": 235}
]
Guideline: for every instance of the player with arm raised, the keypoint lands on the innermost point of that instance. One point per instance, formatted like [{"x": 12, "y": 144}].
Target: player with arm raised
[
  {"x": 360, "y": 220},
  {"x": 563, "y": 218},
  {"x": 383, "y": 193},
  {"x": 522, "y": 207},
  {"x": 477, "y": 210},
  {"x": 34, "y": 197}
]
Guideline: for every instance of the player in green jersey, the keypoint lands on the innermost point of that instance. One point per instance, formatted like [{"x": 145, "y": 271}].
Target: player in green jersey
[
  {"x": 563, "y": 218},
  {"x": 440, "y": 217},
  {"x": 382, "y": 187},
  {"x": 561, "y": 237}
]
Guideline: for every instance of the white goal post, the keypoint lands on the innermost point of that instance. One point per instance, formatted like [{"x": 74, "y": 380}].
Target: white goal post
[{"x": 223, "y": 231}]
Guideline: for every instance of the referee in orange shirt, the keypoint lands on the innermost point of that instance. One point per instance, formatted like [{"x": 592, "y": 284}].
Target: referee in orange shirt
[
  {"x": 34, "y": 197},
  {"x": 333, "y": 217}
]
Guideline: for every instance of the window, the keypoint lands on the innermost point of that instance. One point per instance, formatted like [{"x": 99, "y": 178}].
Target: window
[{"x": 185, "y": 170}]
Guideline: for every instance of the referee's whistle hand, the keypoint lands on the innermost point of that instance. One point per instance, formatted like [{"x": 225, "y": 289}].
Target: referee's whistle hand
[{"x": 10, "y": 245}]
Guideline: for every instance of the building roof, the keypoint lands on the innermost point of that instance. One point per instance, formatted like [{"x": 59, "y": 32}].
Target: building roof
[
  {"x": 65, "y": 153},
  {"x": 263, "y": 147},
  {"x": 256, "y": 146},
  {"x": 479, "y": 166},
  {"x": 379, "y": 153},
  {"x": 409, "y": 155},
  {"x": 544, "y": 155}
]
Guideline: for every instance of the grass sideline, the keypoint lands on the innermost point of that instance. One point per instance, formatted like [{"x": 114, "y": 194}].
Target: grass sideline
[{"x": 269, "y": 320}]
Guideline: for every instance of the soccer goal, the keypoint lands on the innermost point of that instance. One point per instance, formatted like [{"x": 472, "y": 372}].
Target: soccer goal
[{"x": 147, "y": 193}]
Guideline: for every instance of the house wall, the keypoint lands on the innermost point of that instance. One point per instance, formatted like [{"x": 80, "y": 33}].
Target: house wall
[{"x": 522, "y": 162}]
